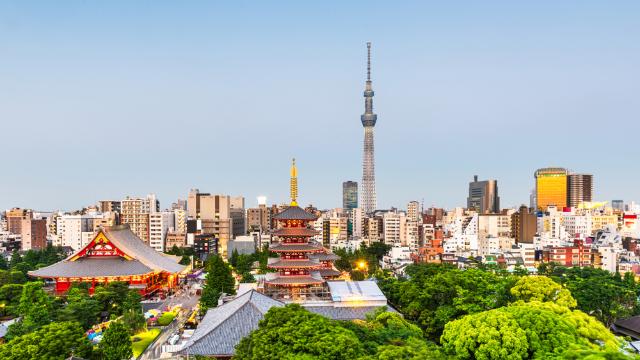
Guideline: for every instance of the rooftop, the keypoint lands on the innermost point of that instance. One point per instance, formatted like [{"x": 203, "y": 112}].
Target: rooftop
[
  {"x": 224, "y": 326},
  {"x": 294, "y": 213}
]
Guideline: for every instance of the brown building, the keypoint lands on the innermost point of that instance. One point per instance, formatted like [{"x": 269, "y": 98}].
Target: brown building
[
  {"x": 14, "y": 219},
  {"x": 524, "y": 225},
  {"x": 579, "y": 189},
  {"x": 258, "y": 219},
  {"x": 34, "y": 234},
  {"x": 110, "y": 206},
  {"x": 32, "y": 231},
  {"x": 175, "y": 239}
]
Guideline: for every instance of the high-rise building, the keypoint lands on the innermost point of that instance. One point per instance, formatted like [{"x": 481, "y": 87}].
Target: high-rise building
[
  {"x": 135, "y": 212},
  {"x": 349, "y": 195},
  {"x": 160, "y": 223},
  {"x": 33, "y": 231},
  {"x": 414, "y": 211},
  {"x": 617, "y": 205},
  {"x": 483, "y": 196},
  {"x": 368, "y": 199},
  {"x": 109, "y": 206},
  {"x": 76, "y": 230},
  {"x": 220, "y": 215},
  {"x": 524, "y": 225},
  {"x": 579, "y": 189},
  {"x": 258, "y": 219},
  {"x": 551, "y": 188},
  {"x": 238, "y": 215}
]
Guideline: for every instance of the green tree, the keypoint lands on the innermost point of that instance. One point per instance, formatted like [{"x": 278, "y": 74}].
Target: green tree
[
  {"x": 4, "y": 265},
  {"x": 15, "y": 259},
  {"x": 542, "y": 288},
  {"x": 378, "y": 250},
  {"x": 112, "y": 296},
  {"x": 53, "y": 341},
  {"x": 233, "y": 260},
  {"x": 36, "y": 309},
  {"x": 10, "y": 298},
  {"x": 523, "y": 331},
  {"x": 292, "y": 332},
  {"x": 116, "y": 343},
  {"x": 17, "y": 277},
  {"x": 80, "y": 308},
  {"x": 436, "y": 294},
  {"x": 600, "y": 293},
  {"x": 219, "y": 280},
  {"x": 132, "y": 316}
]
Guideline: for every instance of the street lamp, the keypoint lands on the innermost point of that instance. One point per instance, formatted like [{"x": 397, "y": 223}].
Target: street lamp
[{"x": 362, "y": 265}]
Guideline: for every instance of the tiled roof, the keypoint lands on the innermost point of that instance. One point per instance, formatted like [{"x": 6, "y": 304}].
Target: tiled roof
[
  {"x": 277, "y": 279},
  {"x": 329, "y": 272},
  {"x": 224, "y": 326},
  {"x": 294, "y": 213},
  {"x": 297, "y": 231},
  {"x": 345, "y": 312},
  {"x": 145, "y": 259},
  {"x": 324, "y": 256},
  {"x": 284, "y": 263},
  {"x": 312, "y": 246},
  {"x": 93, "y": 267},
  {"x": 127, "y": 241}
]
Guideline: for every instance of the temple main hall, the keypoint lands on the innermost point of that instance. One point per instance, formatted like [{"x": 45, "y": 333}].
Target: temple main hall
[{"x": 115, "y": 254}]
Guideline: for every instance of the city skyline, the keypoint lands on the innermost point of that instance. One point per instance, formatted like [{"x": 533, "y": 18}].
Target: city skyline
[{"x": 77, "y": 93}]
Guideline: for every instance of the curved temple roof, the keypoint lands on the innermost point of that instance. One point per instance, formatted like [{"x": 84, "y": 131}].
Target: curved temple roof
[
  {"x": 294, "y": 213},
  {"x": 142, "y": 259}
]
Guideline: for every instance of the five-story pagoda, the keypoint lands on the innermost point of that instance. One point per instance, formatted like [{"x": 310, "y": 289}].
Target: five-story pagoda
[{"x": 303, "y": 264}]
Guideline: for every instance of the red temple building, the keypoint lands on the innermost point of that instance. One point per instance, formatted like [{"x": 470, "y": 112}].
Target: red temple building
[
  {"x": 303, "y": 265},
  {"x": 115, "y": 254}
]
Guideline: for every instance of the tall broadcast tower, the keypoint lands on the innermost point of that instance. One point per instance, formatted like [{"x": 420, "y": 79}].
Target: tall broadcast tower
[{"x": 368, "y": 191}]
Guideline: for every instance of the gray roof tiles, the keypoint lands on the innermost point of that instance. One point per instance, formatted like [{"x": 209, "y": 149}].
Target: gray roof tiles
[
  {"x": 294, "y": 213},
  {"x": 223, "y": 327},
  {"x": 145, "y": 259},
  {"x": 93, "y": 267}
]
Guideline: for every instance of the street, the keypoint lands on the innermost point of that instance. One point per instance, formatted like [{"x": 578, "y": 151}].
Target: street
[{"x": 188, "y": 303}]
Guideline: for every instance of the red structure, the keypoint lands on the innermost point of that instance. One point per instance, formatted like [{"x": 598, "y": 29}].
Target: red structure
[
  {"x": 576, "y": 255},
  {"x": 115, "y": 254},
  {"x": 303, "y": 264}
]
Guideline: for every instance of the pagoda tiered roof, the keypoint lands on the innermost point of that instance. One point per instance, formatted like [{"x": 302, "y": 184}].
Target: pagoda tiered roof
[
  {"x": 295, "y": 247},
  {"x": 294, "y": 212},
  {"x": 276, "y": 279},
  {"x": 324, "y": 256},
  {"x": 294, "y": 231},
  {"x": 327, "y": 272},
  {"x": 277, "y": 263}
]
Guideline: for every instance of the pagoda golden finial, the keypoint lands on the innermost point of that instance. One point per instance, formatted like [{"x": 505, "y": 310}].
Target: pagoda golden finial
[{"x": 294, "y": 183}]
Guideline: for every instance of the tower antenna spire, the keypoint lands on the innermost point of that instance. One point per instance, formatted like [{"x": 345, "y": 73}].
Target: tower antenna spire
[
  {"x": 294, "y": 183},
  {"x": 368, "y": 61},
  {"x": 368, "y": 119}
]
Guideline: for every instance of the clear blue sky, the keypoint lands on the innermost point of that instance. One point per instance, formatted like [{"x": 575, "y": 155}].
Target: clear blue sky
[{"x": 103, "y": 99}]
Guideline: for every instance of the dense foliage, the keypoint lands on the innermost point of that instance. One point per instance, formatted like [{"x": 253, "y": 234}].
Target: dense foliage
[
  {"x": 291, "y": 332},
  {"x": 524, "y": 331},
  {"x": 219, "y": 280},
  {"x": 369, "y": 255},
  {"x": 599, "y": 293},
  {"x": 185, "y": 254},
  {"x": 116, "y": 343},
  {"x": 436, "y": 294},
  {"x": 53, "y": 341}
]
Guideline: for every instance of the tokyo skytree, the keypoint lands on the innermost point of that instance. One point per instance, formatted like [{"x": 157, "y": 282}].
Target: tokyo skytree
[{"x": 368, "y": 199}]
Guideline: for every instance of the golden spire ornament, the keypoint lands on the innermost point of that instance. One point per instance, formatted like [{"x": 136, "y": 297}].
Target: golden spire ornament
[{"x": 294, "y": 183}]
